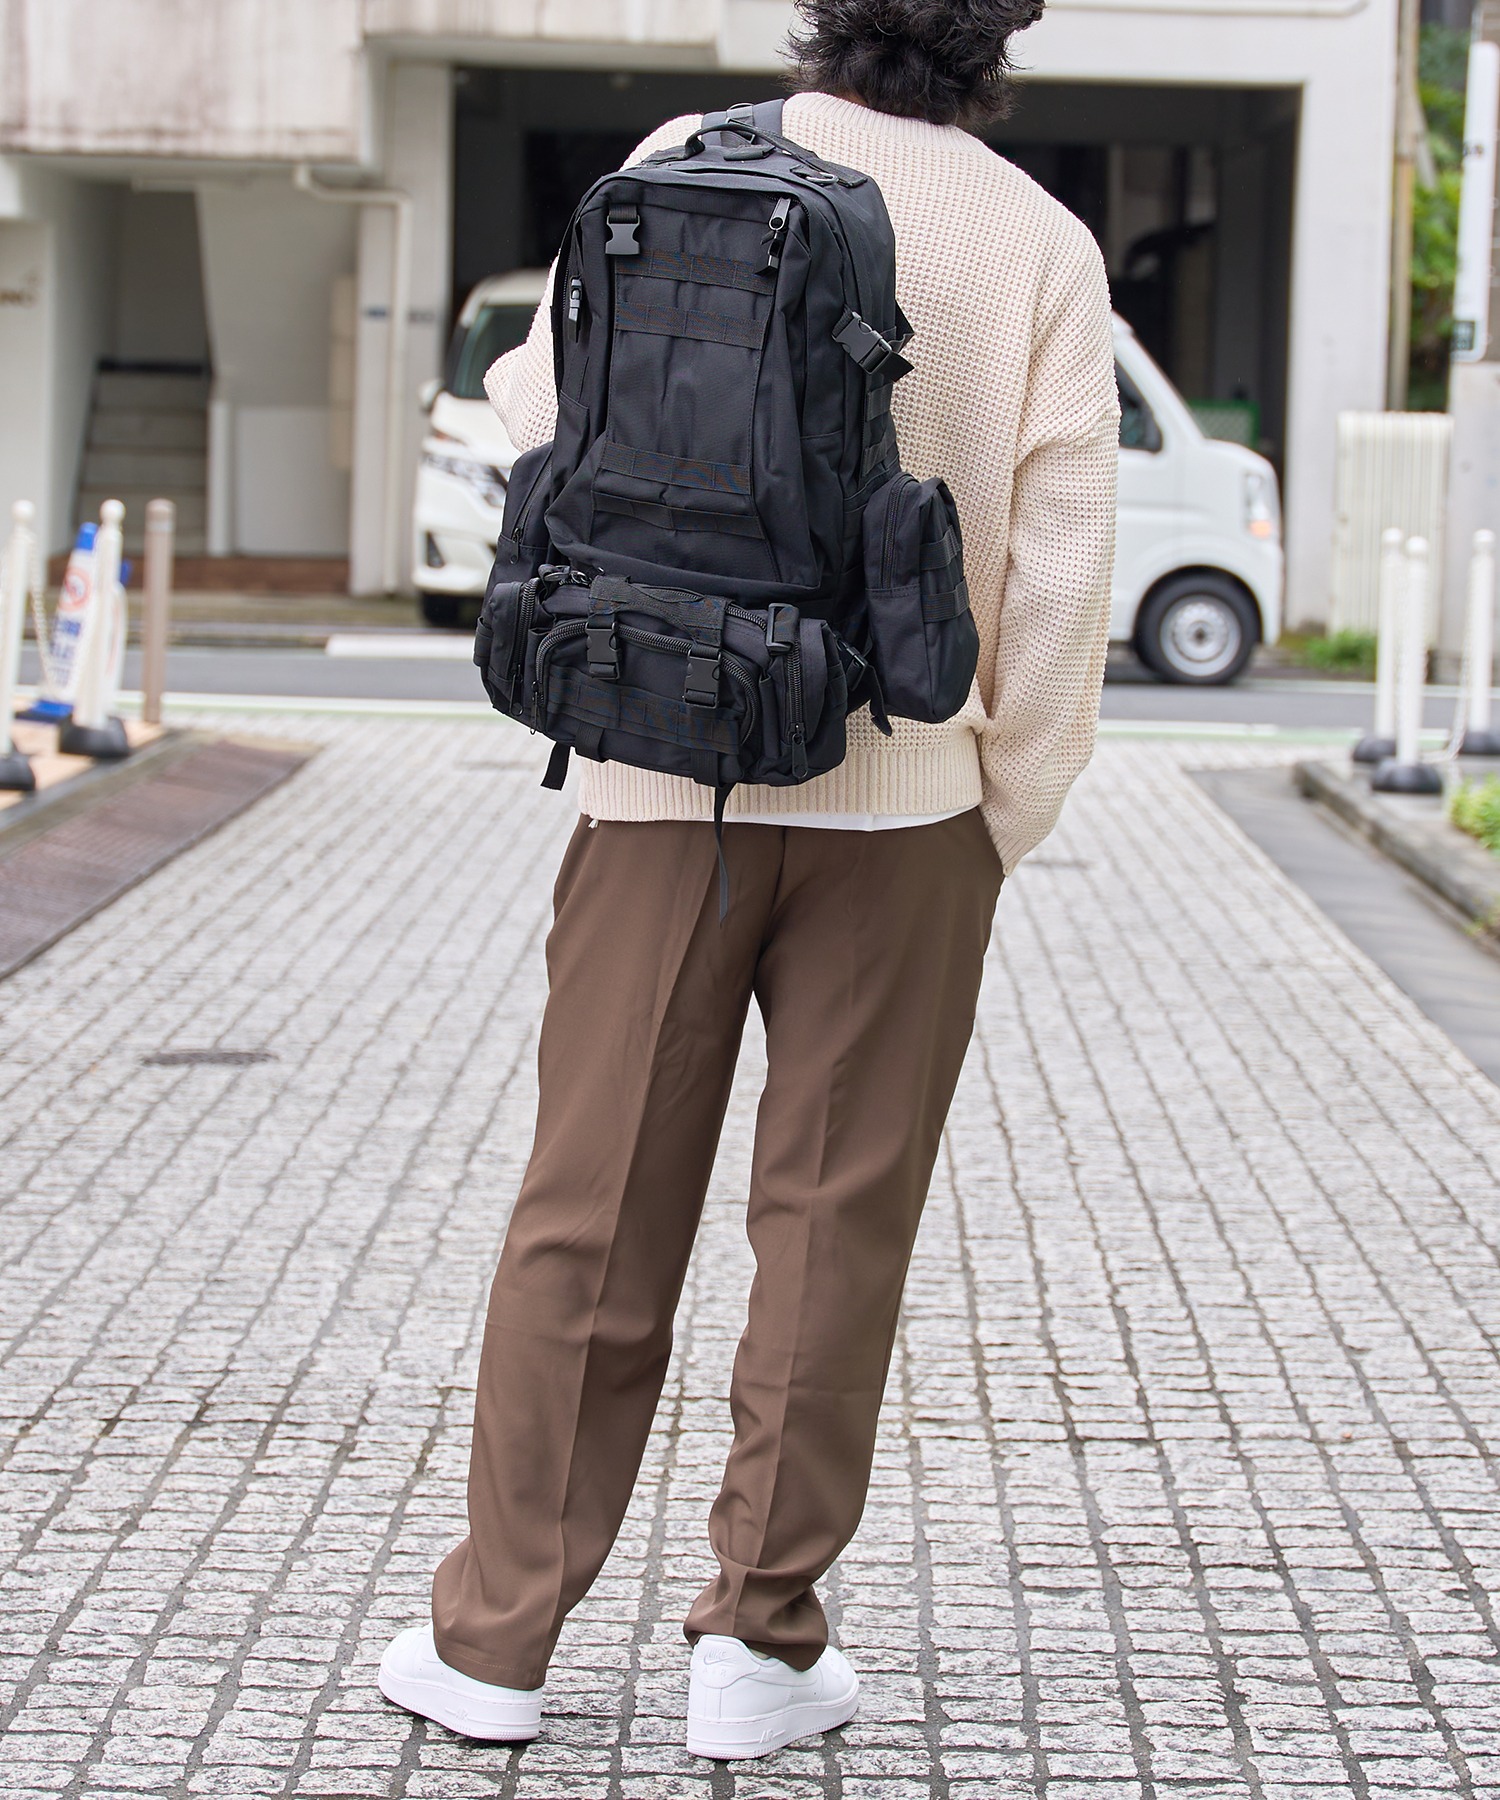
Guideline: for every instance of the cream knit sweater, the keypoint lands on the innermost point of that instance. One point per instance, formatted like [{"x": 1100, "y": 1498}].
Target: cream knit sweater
[{"x": 1012, "y": 400}]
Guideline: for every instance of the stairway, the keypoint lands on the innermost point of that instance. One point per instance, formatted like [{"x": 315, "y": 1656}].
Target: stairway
[{"x": 148, "y": 440}]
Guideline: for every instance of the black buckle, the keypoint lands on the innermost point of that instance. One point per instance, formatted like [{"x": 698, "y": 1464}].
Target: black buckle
[
  {"x": 781, "y": 627},
  {"x": 624, "y": 222},
  {"x": 603, "y": 647},
  {"x": 875, "y": 354},
  {"x": 701, "y": 687}
]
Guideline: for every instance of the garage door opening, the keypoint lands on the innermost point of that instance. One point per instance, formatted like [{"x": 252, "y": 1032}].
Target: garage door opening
[{"x": 1188, "y": 191}]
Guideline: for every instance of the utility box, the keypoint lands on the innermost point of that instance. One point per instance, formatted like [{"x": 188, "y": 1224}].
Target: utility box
[{"x": 1392, "y": 469}]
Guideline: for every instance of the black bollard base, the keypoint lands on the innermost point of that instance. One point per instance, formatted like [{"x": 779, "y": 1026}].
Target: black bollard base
[
  {"x": 1373, "y": 750},
  {"x": 1480, "y": 743},
  {"x": 105, "y": 743},
  {"x": 15, "y": 773},
  {"x": 1394, "y": 777}
]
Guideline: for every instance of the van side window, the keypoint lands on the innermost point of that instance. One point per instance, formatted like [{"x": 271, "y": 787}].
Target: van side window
[{"x": 1138, "y": 427}]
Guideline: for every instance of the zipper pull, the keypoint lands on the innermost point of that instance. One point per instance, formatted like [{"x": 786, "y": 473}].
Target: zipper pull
[{"x": 775, "y": 234}]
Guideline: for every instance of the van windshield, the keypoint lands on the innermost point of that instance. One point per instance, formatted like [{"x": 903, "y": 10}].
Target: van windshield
[{"x": 495, "y": 330}]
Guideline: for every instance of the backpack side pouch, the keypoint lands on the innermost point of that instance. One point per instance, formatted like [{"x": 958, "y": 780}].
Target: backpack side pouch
[
  {"x": 923, "y": 636},
  {"x": 505, "y": 619},
  {"x": 509, "y": 598},
  {"x": 523, "y": 545}
]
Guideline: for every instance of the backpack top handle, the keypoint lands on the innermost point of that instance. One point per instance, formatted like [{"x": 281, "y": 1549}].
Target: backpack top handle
[{"x": 759, "y": 126}]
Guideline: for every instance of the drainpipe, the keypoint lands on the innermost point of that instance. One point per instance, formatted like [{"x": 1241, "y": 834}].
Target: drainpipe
[{"x": 395, "y": 350}]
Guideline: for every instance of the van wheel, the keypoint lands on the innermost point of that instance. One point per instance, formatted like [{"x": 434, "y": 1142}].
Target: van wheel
[
  {"x": 442, "y": 610},
  {"x": 1198, "y": 629}
]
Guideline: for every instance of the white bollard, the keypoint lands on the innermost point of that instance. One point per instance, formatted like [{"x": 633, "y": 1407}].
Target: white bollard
[
  {"x": 1381, "y": 742},
  {"x": 16, "y": 775},
  {"x": 1405, "y": 772},
  {"x": 1477, "y": 736},
  {"x": 156, "y": 609},
  {"x": 93, "y": 730}
]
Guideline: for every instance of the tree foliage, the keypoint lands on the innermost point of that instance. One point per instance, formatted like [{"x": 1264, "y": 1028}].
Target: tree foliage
[{"x": 1442, "y": 69}]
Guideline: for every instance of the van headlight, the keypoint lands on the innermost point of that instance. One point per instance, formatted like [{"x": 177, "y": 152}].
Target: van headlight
[
  {"x": 1262, "y": 513},
  {"x": 483, "y": 480}
]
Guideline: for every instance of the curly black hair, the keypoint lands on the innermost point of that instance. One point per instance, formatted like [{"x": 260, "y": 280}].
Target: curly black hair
[{"x": 945, "y": 61}]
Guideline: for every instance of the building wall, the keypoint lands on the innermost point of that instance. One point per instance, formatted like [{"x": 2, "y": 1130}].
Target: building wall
[
  {"x": 217, "y": 78},
  {"x": 57, "y": 255},
  {"x": 490, "y": 22},
  {"x": 417, "y": 131},
  {"x": 271, "y": 256},
  {"x": 25, "y": 283}
]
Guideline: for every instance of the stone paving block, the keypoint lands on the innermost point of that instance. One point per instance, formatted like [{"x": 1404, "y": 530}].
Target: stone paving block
[{"x": 1187, "y": 1480}]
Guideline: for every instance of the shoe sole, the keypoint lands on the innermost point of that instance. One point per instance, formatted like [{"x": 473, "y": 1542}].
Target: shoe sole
[
  {"x": 733, "y": 1739},
  {"x": 507, "y": 1724}
]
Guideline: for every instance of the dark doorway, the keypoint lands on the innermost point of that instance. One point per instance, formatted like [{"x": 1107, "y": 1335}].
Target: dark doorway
[
  {"x": 1189, "y": 193},
  {"x": 528, "y": 142},
  {"x": 1187, "y": 189}
]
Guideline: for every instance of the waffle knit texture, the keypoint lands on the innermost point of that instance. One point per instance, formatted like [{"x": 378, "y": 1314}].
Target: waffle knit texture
[{"x": 1012, "y": 400}]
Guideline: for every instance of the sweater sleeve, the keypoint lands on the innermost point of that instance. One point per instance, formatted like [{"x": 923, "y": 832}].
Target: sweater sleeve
[
  {"x": 1042, "y": 702},
  {"x": 521, "y": 384}
]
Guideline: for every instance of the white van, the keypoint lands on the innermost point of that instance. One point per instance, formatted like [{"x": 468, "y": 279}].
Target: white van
[
  {"x": 1198, "y": 562},
  {"x": 1198, "y": 566}
]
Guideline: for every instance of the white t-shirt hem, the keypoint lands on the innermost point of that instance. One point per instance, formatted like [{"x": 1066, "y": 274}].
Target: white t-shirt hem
[{"x": 830, "y": 821}]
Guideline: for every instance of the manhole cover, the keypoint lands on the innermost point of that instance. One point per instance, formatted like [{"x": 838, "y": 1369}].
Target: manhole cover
[{"x": 223, "y": 1059}]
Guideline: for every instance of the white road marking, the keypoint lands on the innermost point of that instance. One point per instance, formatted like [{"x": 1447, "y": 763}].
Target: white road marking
[{"x": 402, "y": 646}]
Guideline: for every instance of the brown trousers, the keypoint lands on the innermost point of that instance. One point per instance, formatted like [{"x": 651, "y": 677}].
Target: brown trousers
[{"x": 864, "y": 952}]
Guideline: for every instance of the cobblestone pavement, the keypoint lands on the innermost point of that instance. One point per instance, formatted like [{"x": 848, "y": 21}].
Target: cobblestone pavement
[{"x": 1188, "y": 1478}]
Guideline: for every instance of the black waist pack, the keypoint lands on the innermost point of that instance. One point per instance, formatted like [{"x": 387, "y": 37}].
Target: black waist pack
[{"x": 663, "y": 678}]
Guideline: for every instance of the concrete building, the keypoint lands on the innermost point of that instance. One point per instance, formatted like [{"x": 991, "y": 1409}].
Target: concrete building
[{"x": 209, "y": 216}]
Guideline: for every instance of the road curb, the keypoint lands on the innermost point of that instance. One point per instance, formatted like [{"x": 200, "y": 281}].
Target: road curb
[{"x": 1417, "y": 835}]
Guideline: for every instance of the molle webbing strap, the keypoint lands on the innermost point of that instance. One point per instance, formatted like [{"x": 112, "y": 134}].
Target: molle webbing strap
[
  {"x": 615, "y": 707},
  {"x": 688, "y": 322},
  {"x": 710, "y": 271},
  {"x": 943, "y": 554},
  {"x": 722, "y": 791},
  {"x": 557, "y": 767}
]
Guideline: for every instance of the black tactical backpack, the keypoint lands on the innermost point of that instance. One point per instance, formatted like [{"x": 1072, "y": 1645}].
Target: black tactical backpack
[{"x": 718, "y": 557}]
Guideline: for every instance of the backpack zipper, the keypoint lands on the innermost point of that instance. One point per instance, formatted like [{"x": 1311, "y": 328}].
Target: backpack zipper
[
  {"x": 796, "y": 729},
  {"x": 522, "y": 516},
  {"x": 888, "y": 542},
  {"x": 525, "y": 613},
  {"x": 570, "y": 628}
]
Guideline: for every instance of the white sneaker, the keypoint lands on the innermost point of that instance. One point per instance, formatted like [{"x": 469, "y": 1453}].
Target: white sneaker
[
  {"x": 414, "y": 1676},
  {"x": 744, "y": 1704}
]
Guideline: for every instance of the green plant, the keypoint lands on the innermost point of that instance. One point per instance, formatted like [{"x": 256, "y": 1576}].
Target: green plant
[
  {"x": 1442, "y": 67},
  {"x": 1474, "y": 807},
  {"x": 1343, "y": 650}
]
